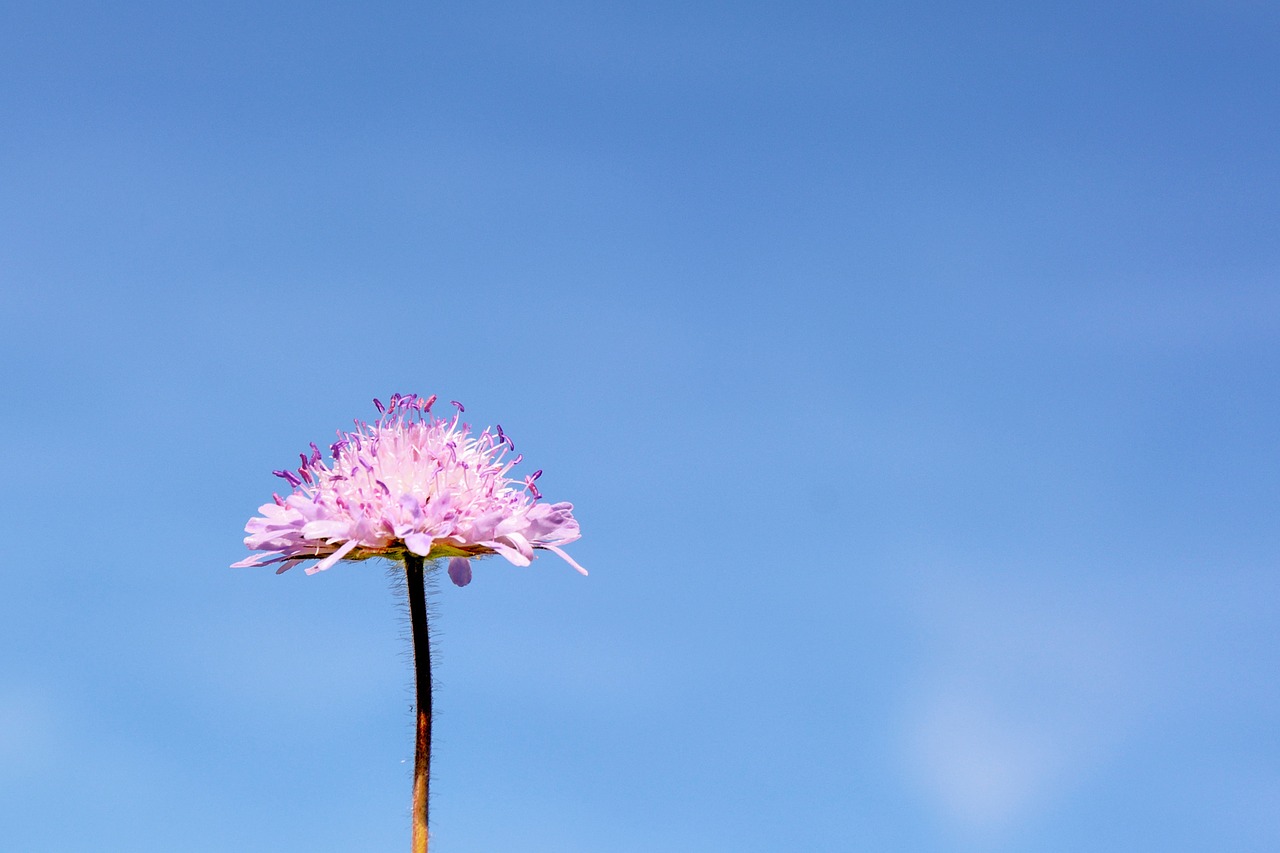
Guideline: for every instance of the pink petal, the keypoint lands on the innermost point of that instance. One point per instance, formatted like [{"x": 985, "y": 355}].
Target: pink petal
[
  {"x": 460, "y": 571},
  {"x": 347, "y": 548},
  {"x": 511, "y": 554},
  {"x": 418, "y": 543},
  {"x": 264, "y": 559},
  {"x": 564, "y": 557},
  {"x": 325, "y": 529}
]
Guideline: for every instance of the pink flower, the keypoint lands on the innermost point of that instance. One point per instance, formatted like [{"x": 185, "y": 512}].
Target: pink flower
[{"x": 410, "y": 482}]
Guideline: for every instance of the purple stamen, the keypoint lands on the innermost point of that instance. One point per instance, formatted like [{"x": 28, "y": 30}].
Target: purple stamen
[
  {"x": 378, "y": 405},
  {"x": 528, "y": 483},
  {"x": 461, "y": 408},
  {"x": 289, "y": 476},
  {"x": 426, "y": 407}
]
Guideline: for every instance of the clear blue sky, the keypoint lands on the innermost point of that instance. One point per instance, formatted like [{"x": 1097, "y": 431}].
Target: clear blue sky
[{"x": 912, "y": 368}]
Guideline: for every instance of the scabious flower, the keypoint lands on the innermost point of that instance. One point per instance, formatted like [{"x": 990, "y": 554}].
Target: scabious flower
[{"x": 412, "y": 483}]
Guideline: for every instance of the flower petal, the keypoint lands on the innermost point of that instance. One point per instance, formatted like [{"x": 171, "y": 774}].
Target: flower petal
[
  {"x": 511, "y": 554},
  {"x": 460, "y": 571},
  {"x": 326, "y": 528},
  {"x": 264, "y": 559},
  {"x": 418, "y": 543},
  {"x": 347, "y": 548},
  {"x": 564, "y": 557}
]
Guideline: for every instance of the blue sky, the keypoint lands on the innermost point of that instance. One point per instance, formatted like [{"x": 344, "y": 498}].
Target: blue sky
[{"x": 911, "y": 368}]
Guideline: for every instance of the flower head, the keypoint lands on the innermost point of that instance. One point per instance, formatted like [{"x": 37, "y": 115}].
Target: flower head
[{"x": 414, "y": 483}]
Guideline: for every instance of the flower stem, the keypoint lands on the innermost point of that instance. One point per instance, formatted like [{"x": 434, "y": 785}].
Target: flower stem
[{"x": 422, "y": 677}]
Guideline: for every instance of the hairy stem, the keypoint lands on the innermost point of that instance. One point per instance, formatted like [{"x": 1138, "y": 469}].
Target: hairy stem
[{"x": 422, "y": 677}]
